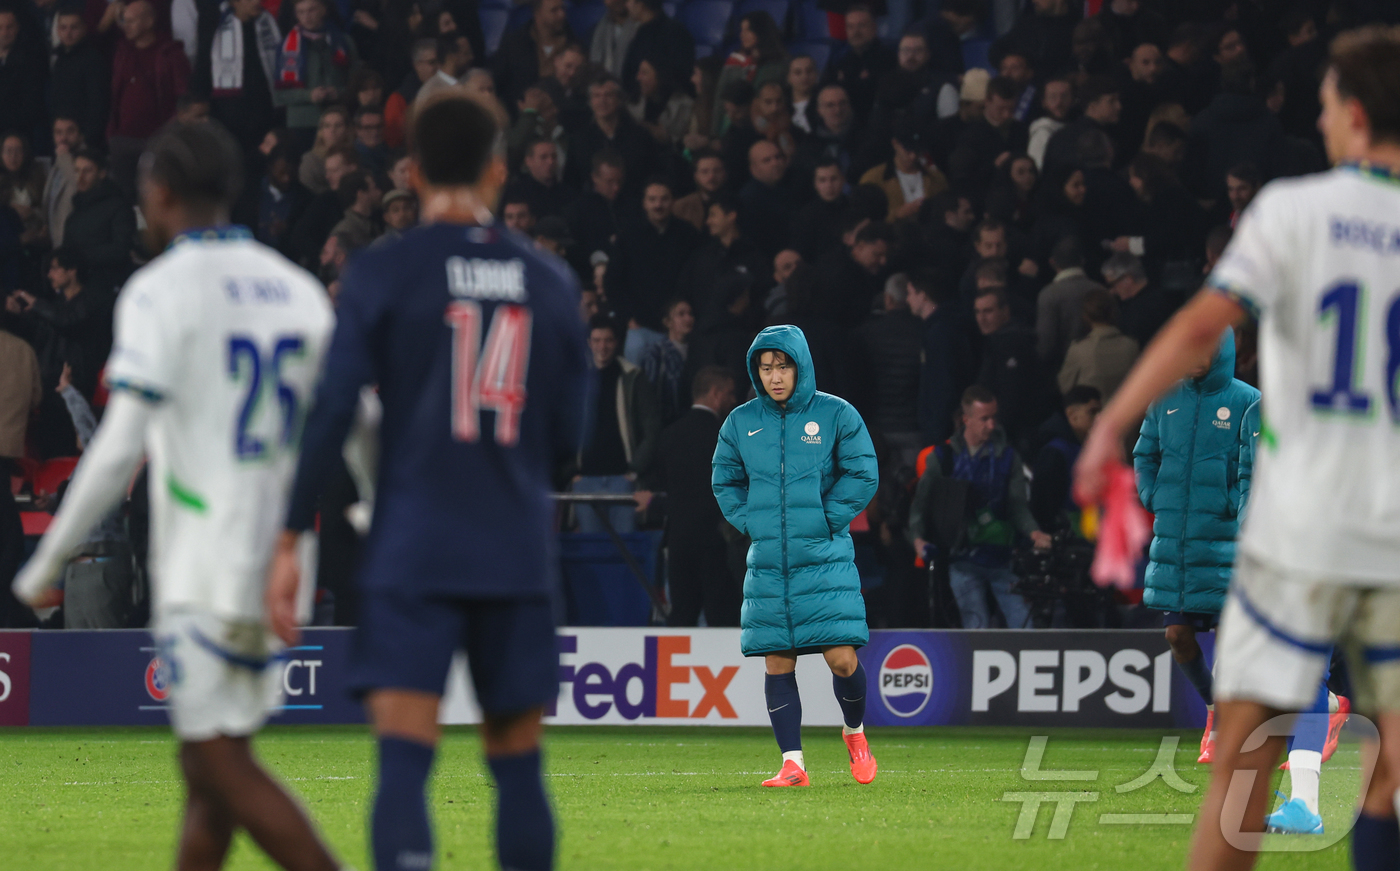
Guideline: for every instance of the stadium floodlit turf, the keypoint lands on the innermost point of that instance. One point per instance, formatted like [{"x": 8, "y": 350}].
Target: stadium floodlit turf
[{"x": 658, "y": 798}]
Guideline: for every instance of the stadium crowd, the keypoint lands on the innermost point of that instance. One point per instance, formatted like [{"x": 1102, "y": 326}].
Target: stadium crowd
[{"x": 978, "y": 214}]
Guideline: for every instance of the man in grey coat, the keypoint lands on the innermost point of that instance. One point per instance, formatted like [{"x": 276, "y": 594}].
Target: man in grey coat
[{"x": 1060, "y": 305}]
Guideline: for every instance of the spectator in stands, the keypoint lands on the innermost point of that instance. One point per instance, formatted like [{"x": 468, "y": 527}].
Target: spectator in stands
[
  {"x": 944, "y": 32},
  {"x": 425, "y": 67},
  {"x": 281, "y": 202},
  {"x": 571, "y": 69},
  {"x": 700, "y": 582},
  {"x": 991, "y": 243},
  {"x": 332, "y": 131},
  {"x": 1056, "y": 101},
  {"x": 775, "y": 306},
  {"x": 369, "y": 139},
  {"x": 858, "y": 71},
  {"x": 802, "y": 79},
  {"x": 758, "y": 59},
  {"x": 1059, "y": 319},
  {"x": 765, "y": 118},
  {"x": 237, "y": 69},
  {"x": 626, "y": 424},
  {"x": 661, "y": 106},
  {"x": 1102, "y": 358},
  {"x": 23, "y": 73},
  {"x": 710, "y": 178},
  {"x": 552, "y": 235},
  {"x": 324, "y": 210},
  {"x": 988, "y": 141},
  {"x": 1185, "y": 76},
  {"x": 67, "y": 324},
  {"x": 664, "y": 361},
  {"x": 947, "y": 219},
  {"x": 767, "y": 202},
  {"x": 1296, "y": 68},
  {"x": 62, "y": 181},
  {"x": 1011, "y": 198},
  {"x": 1043, "y": 34},
  {"x": 612, "y": 128},
  {"x": 612, "y": 36},
  {"x": 1010, "y": 368},
  {"x": 1141, "y": 93},
  {"x": 20, "y": 394},
  {"x": 400, "y": 215},
  {"x": 149, "y": 74},
  {"x": 537, "y": 117},
  {"x": 1016, "y": 68},
  {"x": 1142, "y": 308},
  {"x": 906, "y": 180},
  {"x": 708, "y": 276},
  {"x": 592, "y": 218},
  {"x": 359, "y": 196},
  {"x": 79, "y": 81},
  {"x": 1236, "y": 127},
  {"x": 102, "y": 224},
  {"x": 22, "y": 187},
  {"x": 539, "y": 183},
  {"x": 997, "y": 511},
  {"x": 525, "y": 55},
  {"x": 516, "y": 214},
  {"x": 835, "y": 137},
  {"x": 889, "y": 350},
  {"x": 851, "y": 279},
  {"x": 453, "y": 58},
  {"x": 1170, "y": 225},
  {"x": 1129, "y": 23},
  {"x": 1102, "y": 109},
  {"x": 661, "y": 38},
  {"x": 646, "y": 263},
  {"x": 1242, "y": 182},
  {"x": 1052, "y": 502},
  {"x": 816, "y": 228},
  {"x": 331, "y": 258},
  {"x": 314, "y": 66}
]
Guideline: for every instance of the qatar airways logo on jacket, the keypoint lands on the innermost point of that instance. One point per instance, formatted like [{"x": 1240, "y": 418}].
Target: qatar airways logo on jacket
[
  {"x": 811, "y": 433},
  {"x": 596, "y": 689}
]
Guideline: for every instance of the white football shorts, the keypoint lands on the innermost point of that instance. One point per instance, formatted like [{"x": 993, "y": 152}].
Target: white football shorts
[
  {"x": 1278, "y": 629},
  {"x": 225, "y": 676}
]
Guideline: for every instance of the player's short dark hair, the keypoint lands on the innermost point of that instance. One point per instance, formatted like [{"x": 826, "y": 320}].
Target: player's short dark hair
[
  {"x": 452, "y": 140},
  {"x": 1003, "y": 88},
  {"x": 1080, "y": 394},
  {"x": 875, "y": 231},
  {"x": 200, "y": 164},
  {"x": 1099, "y": 307},
  {"x": 608, "y": 157},
  {"x": 710, "y": 378},
  {"x": 1067, "y": 253},
  {"x": 977, "y": 393},
  {"x": 67, "y": 257},
  {"x": 605, "y": 322},
  {"x": 1366, "y": 62}
]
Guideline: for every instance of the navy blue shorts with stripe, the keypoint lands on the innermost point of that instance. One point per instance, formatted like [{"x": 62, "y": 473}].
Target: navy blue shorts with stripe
[{"x": 406, "y": 641}]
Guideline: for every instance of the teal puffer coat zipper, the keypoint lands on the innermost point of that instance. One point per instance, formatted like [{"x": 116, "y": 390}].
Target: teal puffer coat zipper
[
  {"x": 1191, "y": 468},
  {"x": 792, "y": 479}
]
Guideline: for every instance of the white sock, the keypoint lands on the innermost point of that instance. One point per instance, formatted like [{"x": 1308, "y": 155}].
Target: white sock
[
  {"x": 1333, "y": 706},
  {"x": 795, "y": 756},
  {"x": 847, "y": 730},
  {"x": 1305, "y": 771}
]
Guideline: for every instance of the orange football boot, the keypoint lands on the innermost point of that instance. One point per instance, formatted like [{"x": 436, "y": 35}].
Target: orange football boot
[{"x": 791, "y": 775}]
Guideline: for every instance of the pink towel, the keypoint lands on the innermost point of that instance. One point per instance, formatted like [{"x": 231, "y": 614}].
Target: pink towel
[{"x": 1123, "y": 530}]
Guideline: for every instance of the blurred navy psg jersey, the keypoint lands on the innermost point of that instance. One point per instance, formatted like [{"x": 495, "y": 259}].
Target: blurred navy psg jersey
[{"x": 475, "y": 342}]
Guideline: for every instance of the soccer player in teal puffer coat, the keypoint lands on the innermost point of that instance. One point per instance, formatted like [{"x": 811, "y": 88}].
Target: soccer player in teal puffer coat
[{"x": 792, "y": 469}]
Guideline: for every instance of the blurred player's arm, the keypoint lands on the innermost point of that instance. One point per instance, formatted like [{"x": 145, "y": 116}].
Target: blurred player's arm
[
  {"x": 730, "y": 480},
  {"x": 1187, "y": 337},
  {"x": 98, "y": 487}
]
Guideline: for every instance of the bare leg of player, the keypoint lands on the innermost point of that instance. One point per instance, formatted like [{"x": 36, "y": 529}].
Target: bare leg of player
[
  {"x": 254, "y": 801},
  {"x": 1235, "y": 722},
  {"x": 206, "y": 832}
]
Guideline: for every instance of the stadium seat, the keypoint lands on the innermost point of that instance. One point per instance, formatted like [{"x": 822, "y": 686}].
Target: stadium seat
[
  {"x": 975, "y": 52},
  {"x": 520, "y": 16},
  {"x": 820, "y": 52},
  {"x": 583, "y": 18},
  {"x": 813, "y": 23},
  {"x": 706, "y": 20},
  {"x": 493, "y": 27},
  {"x": 776, "y": 8}
]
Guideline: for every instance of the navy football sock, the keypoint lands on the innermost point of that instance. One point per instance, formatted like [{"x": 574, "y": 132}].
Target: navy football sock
[
  {"x": 1198, "y": 673},
  {"x": 402, "y": 835},
  {"x": 784, "y": 710},
  {"x": 1375, "y": 843},
  {"x": 850, "y": 694},
  {"x": 524, "y": 823}
]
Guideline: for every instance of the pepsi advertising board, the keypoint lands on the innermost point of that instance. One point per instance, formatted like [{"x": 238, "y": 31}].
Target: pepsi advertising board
[{"x": 616, "y": 676}]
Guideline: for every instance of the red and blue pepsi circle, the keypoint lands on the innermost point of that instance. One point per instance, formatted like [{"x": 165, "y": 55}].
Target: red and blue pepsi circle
[
  {"x": 157, "y": 680},
  {"x": 906, "y": 680}
]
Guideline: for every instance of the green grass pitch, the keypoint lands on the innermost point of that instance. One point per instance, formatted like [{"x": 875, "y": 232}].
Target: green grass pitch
[{"x": 657, "y": 798}]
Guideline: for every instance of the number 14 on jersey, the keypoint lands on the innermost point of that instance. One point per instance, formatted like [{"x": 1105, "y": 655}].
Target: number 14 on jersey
[{"x": 490, "y": 376}]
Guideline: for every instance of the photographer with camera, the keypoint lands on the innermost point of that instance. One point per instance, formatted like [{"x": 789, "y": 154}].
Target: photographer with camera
[{"x": 977, "y": 477}]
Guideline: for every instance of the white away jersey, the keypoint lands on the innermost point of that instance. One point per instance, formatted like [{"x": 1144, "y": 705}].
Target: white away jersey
[
  {"x": 1317, "y": 260},
  {"x": 227, "y": 337}
]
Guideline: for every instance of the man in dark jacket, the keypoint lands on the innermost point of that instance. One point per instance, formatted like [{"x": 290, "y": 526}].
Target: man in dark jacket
[
  {"x": 696, "y": 566},
  {"x": 102, "y": 225},
  {"x": 68, "y": 325},
  {"x": 1060, "y": 438},
  {"x": 78, "y": 86},
  {"x": 1102, "y": 109},
  {"x": 538, "y": 183},
  {"x": 889, "y": 356},
  {"x": 650, "y": 252},
  {"x": 1142, "y": 308},
  {"x": 660, "y": 37},
  {"x": 860, "y": 69},
  {"x": 767, "y": 200},
  {"x": 1043, "y": 34},
  {"x": 612, "y": 128},
  {"x": 944, "y": 365},
  {"x": 816, "y": 228},
  {"x": 851, "y": 277},
  {"x": 836, "y": 137},
  {"x": 1010, "y": 368},
  {"x": 592, "y": 218},
  {"x": 1237, "y": 126},
  {"x": 703, "y": 280},
  {"x": 22, "y": 74},
  {"x": 987, "y": 142},
  {"x": 524, "y": 55}
]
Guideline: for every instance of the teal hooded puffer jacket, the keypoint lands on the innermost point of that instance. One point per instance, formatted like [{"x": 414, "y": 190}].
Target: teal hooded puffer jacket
[
  {"x": 793, "y": 479},
  {"x": 1192, "y": 462}
]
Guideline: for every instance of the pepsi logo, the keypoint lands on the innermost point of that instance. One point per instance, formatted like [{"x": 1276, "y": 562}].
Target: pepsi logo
[
  {"x": 906, "y": 680},
  {"x": 157, "y": 680}
]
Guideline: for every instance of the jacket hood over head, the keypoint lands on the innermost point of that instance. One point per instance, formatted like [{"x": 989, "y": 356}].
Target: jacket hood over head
[{"x": 792, "y": 342}]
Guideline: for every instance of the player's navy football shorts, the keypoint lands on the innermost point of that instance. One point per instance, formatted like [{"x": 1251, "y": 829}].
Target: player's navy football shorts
[
  {"x": 406, "y": 641},
  {"x": 1199, "y": 621}
]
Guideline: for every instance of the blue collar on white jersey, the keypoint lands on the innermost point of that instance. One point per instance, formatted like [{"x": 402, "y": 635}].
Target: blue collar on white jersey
[
  {"x": 226, "y": 233},
  {"x": 1377, "y": 171}
]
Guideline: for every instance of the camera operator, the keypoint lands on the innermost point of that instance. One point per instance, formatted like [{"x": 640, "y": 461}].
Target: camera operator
[{"x": 995, "y": 503}]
